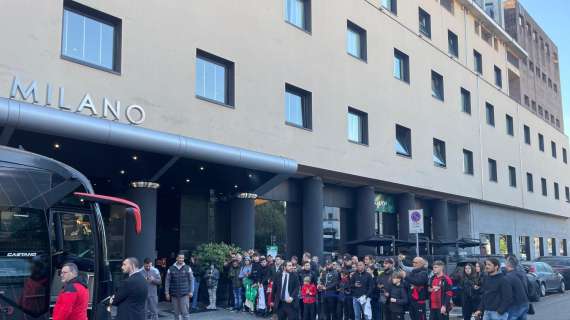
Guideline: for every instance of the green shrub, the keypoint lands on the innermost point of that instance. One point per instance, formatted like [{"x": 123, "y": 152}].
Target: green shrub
[{"x": 214, "y": 253}]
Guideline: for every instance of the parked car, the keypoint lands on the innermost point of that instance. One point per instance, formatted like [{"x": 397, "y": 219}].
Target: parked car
[
  {"x": 560, "y": 265},
  {"x": 547, "y": 279}
]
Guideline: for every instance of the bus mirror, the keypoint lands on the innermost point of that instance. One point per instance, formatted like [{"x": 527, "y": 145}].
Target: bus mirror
[{"x": 132, "y": 209}]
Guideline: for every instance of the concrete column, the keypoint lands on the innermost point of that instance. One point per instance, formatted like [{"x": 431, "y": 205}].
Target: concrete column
[
  {"x": 406, "y": 201},
  {"x": 242, "y": 221},
  {"x": 294, "y": 225},
  {"x": 312, "y": 210},
  {"x": 440, "y": 223},
  {"x": 365, "y": 217},
  {"x": 143, "y": 245}
]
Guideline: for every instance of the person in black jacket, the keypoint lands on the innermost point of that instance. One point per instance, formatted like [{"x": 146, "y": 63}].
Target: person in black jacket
[
  {"x": 286, "y": 293},
  {"x": 130, "y": 298},
  {"x": 361, "y": 284},
  {"x": 497, "y": 293},
  {"x": 518, "y": 281},
  {"x": 384, "y": 283},
  {"x": 397, "y": 298},
  {"x": 328, "y": 287},
  {"x": 470, "y": 283},
  {"x": 416, "y": 281}
]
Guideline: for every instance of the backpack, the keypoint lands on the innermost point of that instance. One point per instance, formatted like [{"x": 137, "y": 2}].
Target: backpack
[{"x": 532, "y": 293}]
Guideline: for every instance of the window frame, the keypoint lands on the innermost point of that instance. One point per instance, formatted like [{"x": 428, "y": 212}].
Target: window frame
[
  {"x": 498, "y": 76},
  {"x": 544, "y": 187},
  {"x": 101, "y": 17},
  {"x": 438, "y": 91},
  {"x": 363, "y": 122},
  {"x": 492, "y": 167},
  {"x": 553, "y": 149},
  {"x": 306, "y": 16},
  {"x": 229, "y": 81},
  {"x": 439, "y": 153},
  {"x": 529, "y": 182},
  {"x": 477, "y": 62},
  {"x": 453, "y": 47},
  {"x": 393, "y": 6},
  {"x": 510, "y": 125},
  {"x": 404, "y": 61},
  {"x": 512, "y": 177},
  {"x": 556, "y": 191},
  {"x": 527, "y": 135},
  {"x": 306, "y": 107},
  {"x": 465, "y": 100},
  {"x": 407, "y": 146},
  {"x": 468, "y": 159},
  {"x": 490, "y": 114},
  {"x": 564, "y": 155},
  {"x": 541, "y": 147},
  {"x": 424, "y": 14},
  {"x": 361, "y": 32}
]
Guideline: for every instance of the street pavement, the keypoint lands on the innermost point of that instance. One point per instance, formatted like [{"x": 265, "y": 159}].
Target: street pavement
[{"x": 552, "y": 307}]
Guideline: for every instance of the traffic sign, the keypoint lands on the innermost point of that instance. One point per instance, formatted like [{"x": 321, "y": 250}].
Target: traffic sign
[{"x": 416, "y": 220}]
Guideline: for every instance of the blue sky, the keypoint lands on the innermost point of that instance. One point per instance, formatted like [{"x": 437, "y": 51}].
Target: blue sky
[{"x": 554, "y": 18}]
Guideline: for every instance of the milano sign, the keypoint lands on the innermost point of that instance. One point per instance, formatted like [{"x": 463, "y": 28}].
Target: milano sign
[{"x": 133, "y": 113}]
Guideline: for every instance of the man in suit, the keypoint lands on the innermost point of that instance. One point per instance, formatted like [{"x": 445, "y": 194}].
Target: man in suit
[
  {"x": 286, "y": 293},
  {"x": 131, "y": 295}
]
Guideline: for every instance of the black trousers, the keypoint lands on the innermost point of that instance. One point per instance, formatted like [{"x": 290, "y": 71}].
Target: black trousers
[
  {"x": 386, "y": 313},
  {"x": 330, "y": 308},
  {"x": 309, "y": 311},
  {"x": 287, "y": 311},
  {"x": 418, "y": 310},
  {"x": 435, "y": 314},
  {"x": 396, "y": 316}
]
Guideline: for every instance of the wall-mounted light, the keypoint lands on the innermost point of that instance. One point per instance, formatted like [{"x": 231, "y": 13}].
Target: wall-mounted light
[
  {"x": 187, "y": 180},
  {"x": 202, "y": 168},
  {"x": 135, "y": 157},
  {"x": 122, "y": 172},
  {"x": 56, "y": 146}
]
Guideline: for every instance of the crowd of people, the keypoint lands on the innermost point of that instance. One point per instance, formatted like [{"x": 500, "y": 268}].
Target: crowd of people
[{"x": 342, "y": 288}]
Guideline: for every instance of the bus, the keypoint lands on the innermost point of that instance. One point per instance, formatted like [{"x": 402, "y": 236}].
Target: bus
[{"x": 49, "y": 215}]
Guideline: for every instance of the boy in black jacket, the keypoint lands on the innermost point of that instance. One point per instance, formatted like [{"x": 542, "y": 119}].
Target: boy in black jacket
[{"x": 397, "y": 298}]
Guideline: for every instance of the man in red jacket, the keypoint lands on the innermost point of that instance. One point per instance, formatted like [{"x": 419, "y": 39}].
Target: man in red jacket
[{"x": 71, "y": 303}]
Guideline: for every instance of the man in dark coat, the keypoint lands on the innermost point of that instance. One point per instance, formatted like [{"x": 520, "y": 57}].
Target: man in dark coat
[
  {"x": 130, "y": 298},
  {"x": 286, "y": 293}
]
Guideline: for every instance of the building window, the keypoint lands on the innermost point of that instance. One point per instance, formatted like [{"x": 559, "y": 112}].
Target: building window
[
  {"x": 355, "y": 40},
  {"x": 401, "y": 66},
  {"x": 540, "y": 112},
  {"x": 487, "y": 243},
  {"x": 563, "y": 249},
  {"x": 478, "y": 62},
  {"x": 425, "y": 22},
  {"x": 531, "y": 66},
  {"x": 526, "y": 134},
  {"x": 556, "y": 191},
  {"x": 538, "y": 246},
  {"x": 403, "y": 143},
  {"x": 505, "y": 244},
  {"x": 543, "y": 186},
  {"x": 526, "y": 100},
  {"x": 357, "y": 126},
  {"x": 551, "y": 246},
  {"x": 214, "y": 78},
  {"x": 529, "y": 182},
  {"x": 467, "y": 162},
  {"x": 546, "y": 114},
  {"x": 512, "y": 177},
  {"x": 298, "y": 107},
  {"x": 298, "y": 13},
  {"x": 91, "y": 37},
  {"x": 567, "y": 193},
  {"x": 557, "y": 123},
  {"x": 540, "y": 142},
  {"x": 524, "y": 248},
  {"x": 465, "y": 101},
  {"x": 555, "y": 87},
  {"x": 564, "y": 155},
  {"x": 509, "y": 125},
  {"x": 553, "y": 147},
  {"x": 453, "y": 43},
  {"x": 447, "y": 4},
  {"x": 492, "y": 170},
  {"x": 498, "y": 77},
  {"x": 391, "y": 5},
  {"x": 439, "y": 153},
  {"x": 437, "y": 85},
  {"x": 490, "y": 114}
]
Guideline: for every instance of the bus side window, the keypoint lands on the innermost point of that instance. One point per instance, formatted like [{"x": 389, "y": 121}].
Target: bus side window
[{"x": 78, "y": 242}]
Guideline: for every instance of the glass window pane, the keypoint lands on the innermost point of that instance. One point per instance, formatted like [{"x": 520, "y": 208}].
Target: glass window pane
[
  {"x": 220, "y": 86},
  {"x": 353, "y": 43},
  {"x": 209, "y": 80},
  {"x": 107, "y": 46},
  {"x": 74, "y": 35},
  {"x": 354, "y": 130},
  {"x": 295, "y": 12},
  {"x": 398, "y": 68},
  {"x": 200, "y": 74},
  {"x": 92, "y": 41},
  {"x": 293, "y": 106}
]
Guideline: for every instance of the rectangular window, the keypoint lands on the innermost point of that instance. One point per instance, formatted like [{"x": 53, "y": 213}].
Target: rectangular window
[
  {"x": 403, "y": 143},
  {"x": 553, "y": 148},
  {"x": 391, "y": 5},
  {"x": 357, "y": 126},
  {"x": 543, "y": 186},
  {"x": 557, "y": 123},
  {"x": 401, "y": 66},
  {"x": 529, "y": 182},
  {"x": 524, "y": 248},
  {"x": 505, "y": 244},
  {"x": 509, "y": 125},
  {"x": 439, "y": 153},
  {"x": 214, "y": 78},
  {"x": 540, "y": 142},
  {"x": 465, "y": 101},
  {"x": 512, "y": 177},
  {"x": 538, "y": 246},
  {"x": 492, "y": 170},
  {"x": 487, "y": 243},
  {"x": 478, "y": 62},
  {"x": 467, "y": 162},
  {"x": 527, "y": 134},
  {"x": 564, "y": 155},
  {"x": 526, "y": 100},
  {"x": 355, "y": 40},
  {"x": 298, "y": 107},
  {"x": 453, "y": 44},
  {"x": 531, "y": 67},
  {"x": 550, "y": 246},
  {"x": 490, "y": 114},
  {"x": 563, "y": 249},
  {"x": 540, "y": 112},
  {"x": 447, "y": 4},
  {"x": 425, "y": 22},
  {"x": 298, "y": 13},
  {"x": 556, "y": 191},
  {"x": 91, "y": 37},
  {"x": 498, "y": 77},
  {"x": 437, "y": 85},
  {"x": 546, "y": 114},
  {"x": 567, "y": 193}
]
